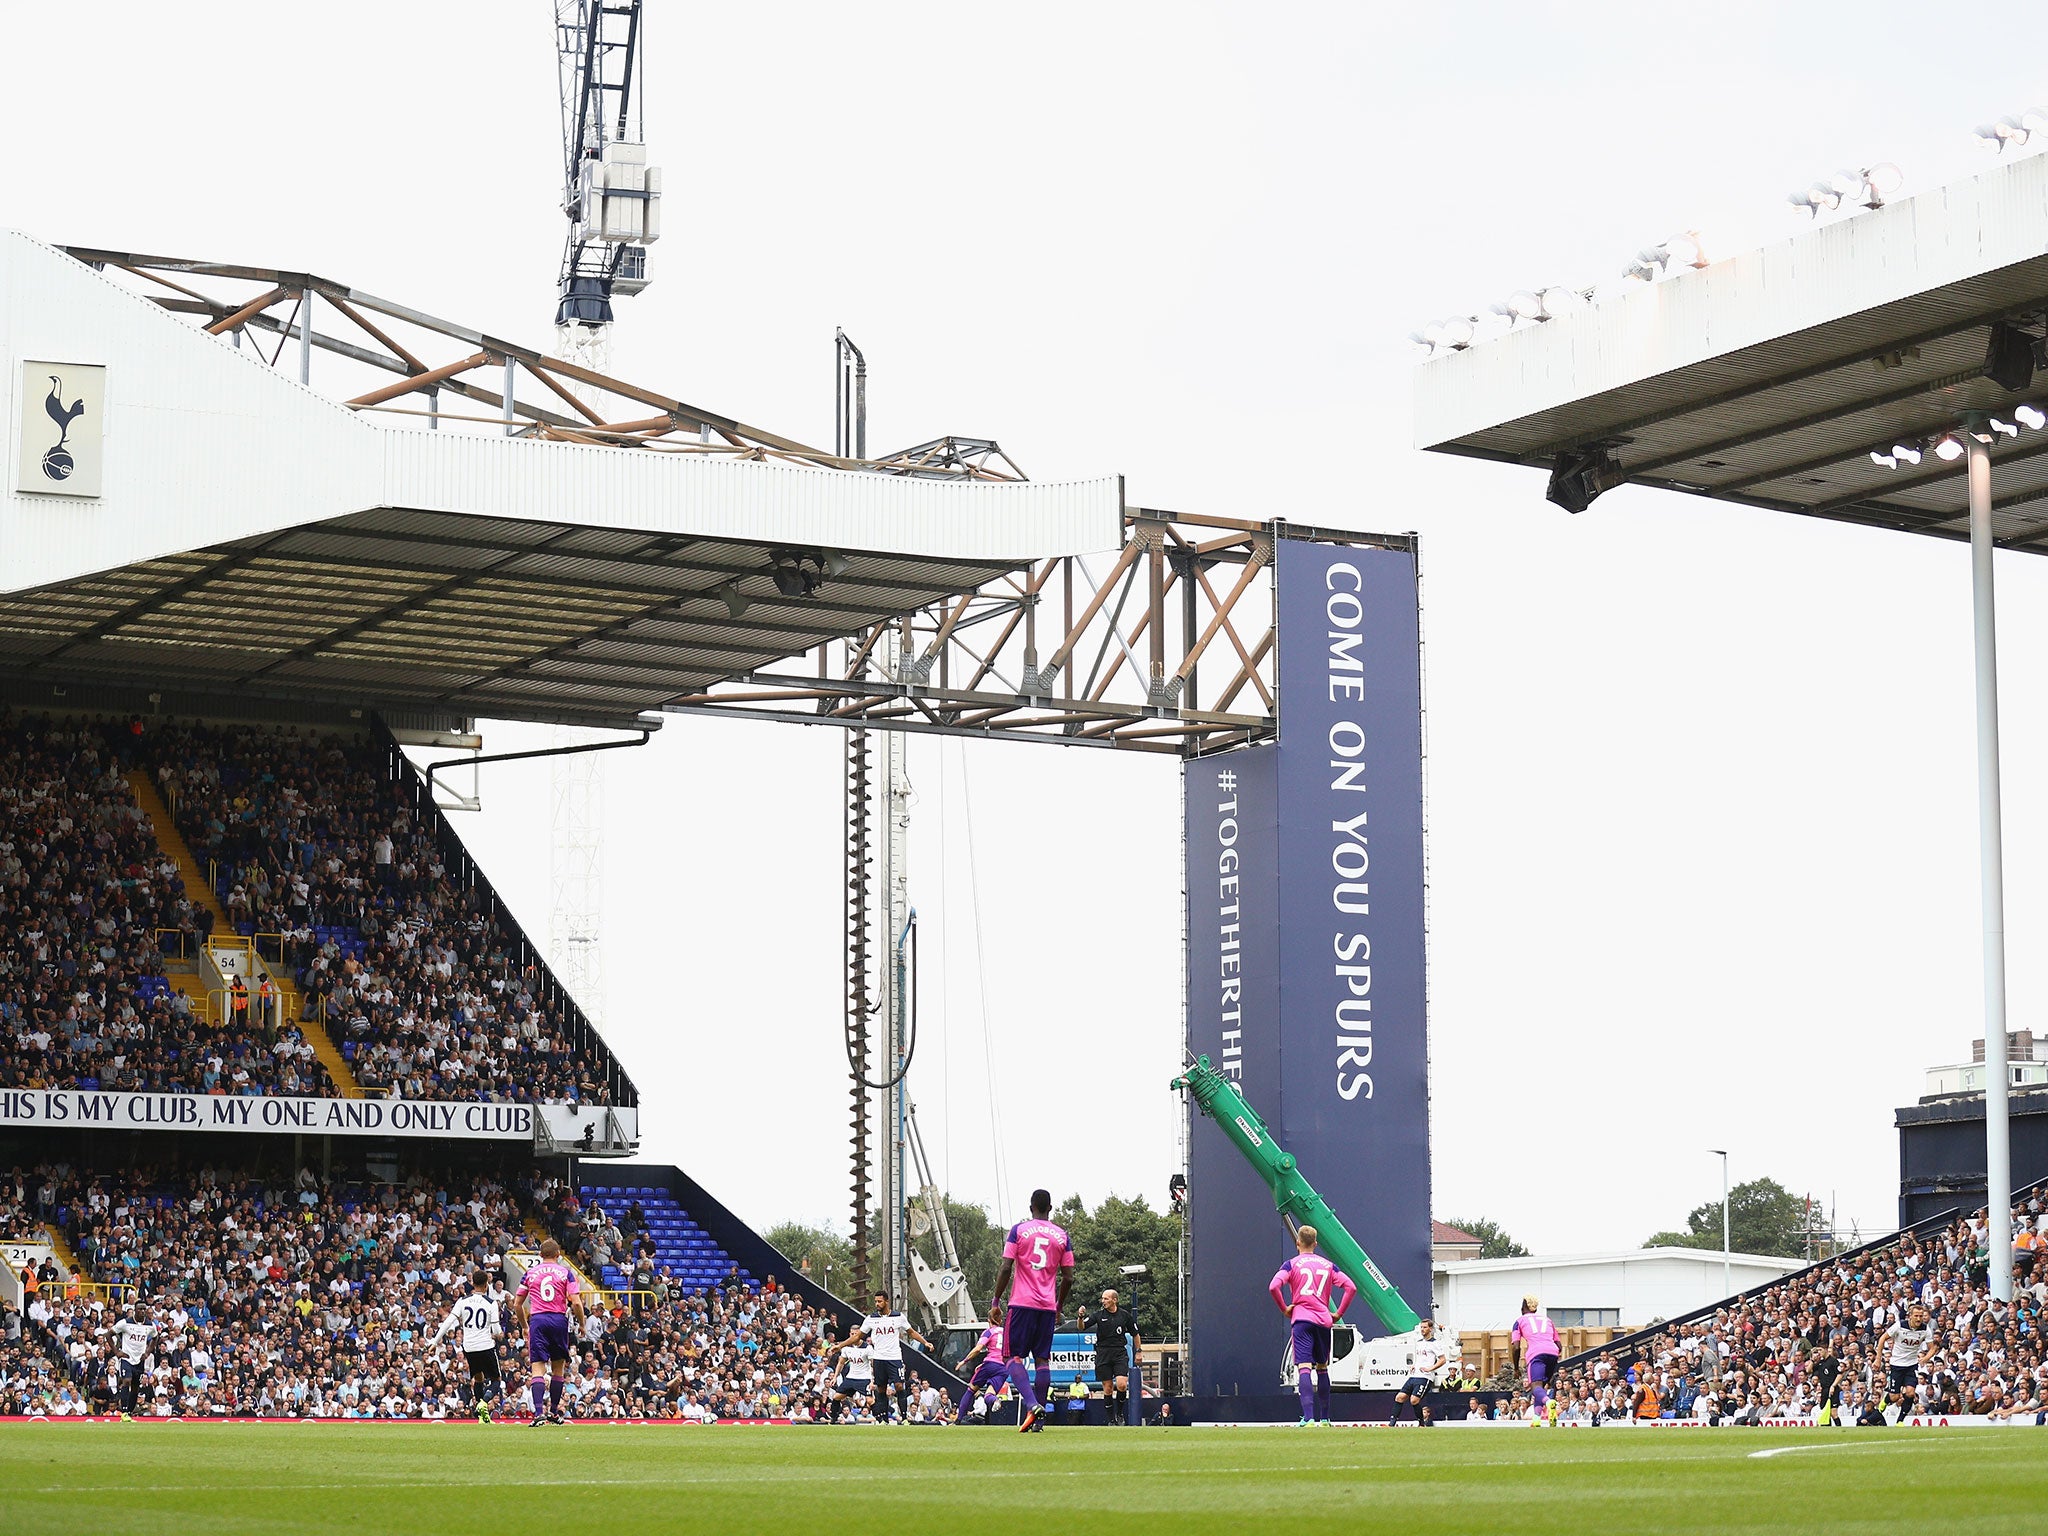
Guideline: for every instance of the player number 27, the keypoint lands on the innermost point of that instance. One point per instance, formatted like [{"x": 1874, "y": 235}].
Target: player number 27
[{"x": 1315, "y": 1282}]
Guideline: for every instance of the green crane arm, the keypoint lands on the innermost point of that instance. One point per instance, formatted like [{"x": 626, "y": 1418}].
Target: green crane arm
[{"x": 1292, "y": 1194}]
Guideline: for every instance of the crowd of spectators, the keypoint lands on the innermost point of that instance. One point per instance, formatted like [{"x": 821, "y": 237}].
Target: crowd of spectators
[
  {"x": 406, "y": 967},
  {"x": 1906, "y": 1328},
  {"x": 291, "y": 1296},
  {"x": 84, "y": 893}
]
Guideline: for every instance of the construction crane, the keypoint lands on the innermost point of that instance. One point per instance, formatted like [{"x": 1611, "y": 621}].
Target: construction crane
[
  {"x": 612, "y": 199},
  {"x": 611, "y": 196}
]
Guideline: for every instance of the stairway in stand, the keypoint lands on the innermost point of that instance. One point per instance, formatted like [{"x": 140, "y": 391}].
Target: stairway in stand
[
  {"x": 61, "y": 1250},
  {"x": 201, "y": 890}
]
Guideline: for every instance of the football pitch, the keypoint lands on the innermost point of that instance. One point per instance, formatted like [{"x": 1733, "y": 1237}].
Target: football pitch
[{"x": 621, "y": 1480}]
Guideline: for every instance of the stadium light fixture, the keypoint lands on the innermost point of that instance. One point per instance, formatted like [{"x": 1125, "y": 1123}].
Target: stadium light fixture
[
  {"x": 1458, "y": 332},
  {"x": 1949, "y": 449},
  {"x": 1822, "y": 194},
  {"x": 2031, "y": 417},
  {"x": 734, "y": 599},
  {"x": 1884, "y": 460},
  {"x": 2004, "y": 428},
  {"x": 2012, "y": 130}
]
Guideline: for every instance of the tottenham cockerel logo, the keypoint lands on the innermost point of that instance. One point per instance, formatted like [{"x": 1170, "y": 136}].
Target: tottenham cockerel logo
[{"x": 57, "y": 460}]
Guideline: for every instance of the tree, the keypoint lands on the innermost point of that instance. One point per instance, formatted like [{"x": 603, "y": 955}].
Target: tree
[
  {"x": 1494, "y": 1242},
  {"x": 1119, "y": 1232},
  {"x": 829, "y": 1256},
  {"x": 1763, "y": 1217}
]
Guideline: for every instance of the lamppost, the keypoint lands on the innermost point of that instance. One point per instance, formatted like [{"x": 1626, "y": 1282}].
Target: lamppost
[{"x": 1727, "y": 1286}]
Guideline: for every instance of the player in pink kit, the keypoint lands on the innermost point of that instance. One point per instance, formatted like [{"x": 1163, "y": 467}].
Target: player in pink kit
[
  {"x": 1038, "y": 1268},
  {"x": 1314, "y": 1281},
  {"x": 546, "y": 1297},
  {"x": 990, "y": 1375},
  {"x": 1536, "y": 1344}
]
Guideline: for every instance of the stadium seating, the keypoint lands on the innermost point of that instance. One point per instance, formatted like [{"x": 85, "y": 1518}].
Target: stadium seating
[
  {"x": 291, "y": 1297},
  {"x": 321, "y": 849},
  {"x": 85, "y": 895},
  {"x": 675, "y": 1244},
  {"x": 1819, "y": 1338}
]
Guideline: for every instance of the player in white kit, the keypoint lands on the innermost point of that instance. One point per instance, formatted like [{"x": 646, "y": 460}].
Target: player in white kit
[
  {"x": 133, "y": 1334},
  {"x": 883, "y": 1330},
  {"x": 856, "y": 1379},
  {"x": 476, "y": 1317}
]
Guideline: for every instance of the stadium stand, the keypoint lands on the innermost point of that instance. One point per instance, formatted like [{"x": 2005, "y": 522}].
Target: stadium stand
[
  {"x": 323, "y": 851},
  {"x": 85, "y": 893},
  {"x": 345, "y": 895},
  {"x": 1821, "y": 1339},
  {"x": 631, "y": 1233},
  {"x": 290, "y": 1296}
]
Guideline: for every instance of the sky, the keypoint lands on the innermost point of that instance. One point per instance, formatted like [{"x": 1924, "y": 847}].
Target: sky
[{"x": 1701, "y": 778}]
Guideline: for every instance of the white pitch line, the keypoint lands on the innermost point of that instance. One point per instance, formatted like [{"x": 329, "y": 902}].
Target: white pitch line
[{"x": 1854, "y": 1445}]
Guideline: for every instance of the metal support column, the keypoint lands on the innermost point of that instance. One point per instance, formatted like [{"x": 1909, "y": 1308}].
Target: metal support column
[
  {"x": 1991, "y": 865},
  {"x": 306, "y": 337},
  {"x": 511, "y": 381}
]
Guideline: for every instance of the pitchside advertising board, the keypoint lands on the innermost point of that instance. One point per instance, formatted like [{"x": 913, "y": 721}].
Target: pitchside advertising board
[{"x": 1305, "y": 953}]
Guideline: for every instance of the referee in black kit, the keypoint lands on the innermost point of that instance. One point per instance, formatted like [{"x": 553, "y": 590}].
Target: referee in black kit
[{"x": 1116, "y": 1341}]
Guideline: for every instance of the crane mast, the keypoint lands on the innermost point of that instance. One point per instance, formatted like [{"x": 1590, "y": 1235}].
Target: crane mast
[{"x": 611, "y": 196}]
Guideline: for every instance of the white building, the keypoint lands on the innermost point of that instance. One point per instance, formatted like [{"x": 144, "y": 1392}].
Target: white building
[{"x": 1631, "y": 1289}]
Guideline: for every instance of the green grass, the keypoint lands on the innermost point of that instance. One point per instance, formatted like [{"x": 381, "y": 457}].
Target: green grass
[{"x": 620, "y": 1481}]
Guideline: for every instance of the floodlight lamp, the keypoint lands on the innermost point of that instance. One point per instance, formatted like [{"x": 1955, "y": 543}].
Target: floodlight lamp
[
  {"x": 735, "y": 600},
  {"x": 1883, "y": 177},
  {"x": 1458, "y": 332},
  {"x": 1432, "y": 334},
  {"x": 2004, "y": 428},
  {"x": 1949, "y": 449},
  {"x": 1687, "y": 248},
  {"x": 1883, "y": 460},
  {"x": 1524, "y": 305},
  {"x": 1557, "y": 300},
  {"x": 1910, "y": 452},
  {"x": 2031, "y": 417},
  {"x": 836, "y": 563},
  {"x": 1421, "y": 342}
]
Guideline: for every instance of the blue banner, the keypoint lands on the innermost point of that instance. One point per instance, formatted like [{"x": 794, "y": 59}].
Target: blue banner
[
  {"x": 1306, "y": 953},
  {"x": 1234, "y": 1020},
  {"x": 1355, "y": 1084}
]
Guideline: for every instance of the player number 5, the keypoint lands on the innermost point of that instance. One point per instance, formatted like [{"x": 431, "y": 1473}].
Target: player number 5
[{"x": 1038, "y": 1253}]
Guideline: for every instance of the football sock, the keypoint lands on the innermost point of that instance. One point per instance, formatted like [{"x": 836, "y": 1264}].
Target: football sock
[
  {"x": 539, "y": 1387},
  {"x": 1542, "y": 1396},
  {"x": 1323, "y": 1393},
  {"x": 555, "y": 1395},
  {"x": 1042, "y": 1380},
  {"x": 1021, "y": 1380},
  {"x": 1304, "y": 1382}
]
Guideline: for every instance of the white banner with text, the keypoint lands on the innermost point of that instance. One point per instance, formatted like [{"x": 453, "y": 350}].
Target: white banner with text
[{"x": 74, "y": 1109}]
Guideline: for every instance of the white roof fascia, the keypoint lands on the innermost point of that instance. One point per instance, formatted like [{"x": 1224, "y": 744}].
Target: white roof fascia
[
  {"x": 1949, "y": 234},
  {"x": 205, "y": 444}
]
